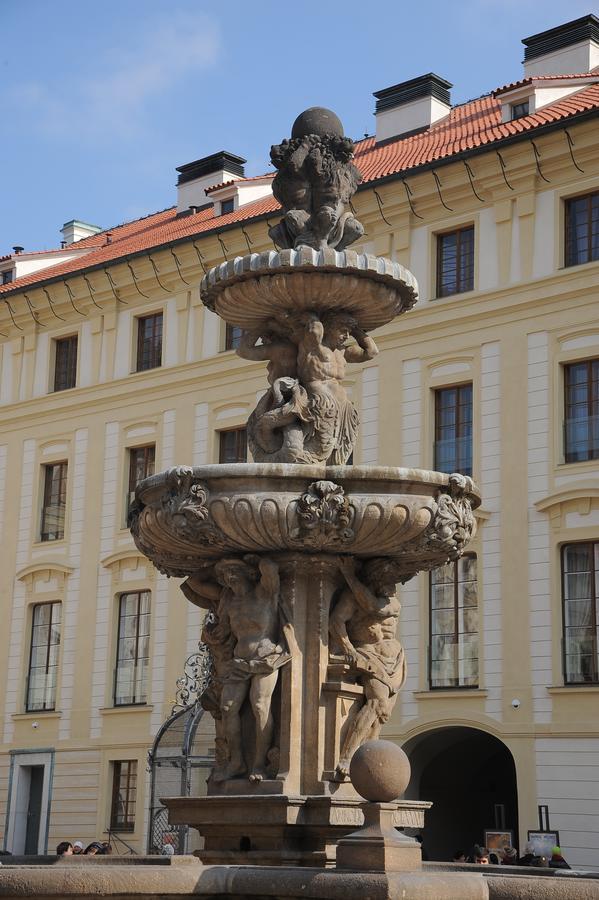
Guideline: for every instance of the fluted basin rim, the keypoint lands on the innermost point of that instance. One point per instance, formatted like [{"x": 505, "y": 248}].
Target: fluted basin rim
[
  {"x": 186, "y": 518},
  {"x": 249, "y": 290},
  {"x": 400, "y": 476}
]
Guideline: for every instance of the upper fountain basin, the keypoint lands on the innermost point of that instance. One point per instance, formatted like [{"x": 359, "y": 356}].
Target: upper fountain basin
[
  {"x": 249, "y": 291},
  {"x": 186, "y": 518}
]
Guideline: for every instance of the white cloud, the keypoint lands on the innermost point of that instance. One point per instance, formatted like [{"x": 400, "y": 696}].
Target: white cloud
[{"x": 117, "y": 99}]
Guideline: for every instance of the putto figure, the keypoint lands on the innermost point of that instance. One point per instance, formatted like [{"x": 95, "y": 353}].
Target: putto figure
[
  {"x": 253, "y": 640},
  {"x": 315, "y": 181},
  {"x": 362, "y": 628}
]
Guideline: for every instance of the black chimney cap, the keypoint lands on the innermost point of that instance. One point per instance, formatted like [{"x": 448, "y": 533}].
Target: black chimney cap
[
  {"x": 18, "y": 249},
  {"x": 208, "y": 164},
  {"x": 574, "y": 32},
  {"x": 429, "y": 85}
]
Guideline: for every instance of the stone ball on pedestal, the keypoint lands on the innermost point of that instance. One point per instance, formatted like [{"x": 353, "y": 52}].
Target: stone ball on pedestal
[
  {"x": 380, "y": 771},
  {"x": 317, "y": 120}
]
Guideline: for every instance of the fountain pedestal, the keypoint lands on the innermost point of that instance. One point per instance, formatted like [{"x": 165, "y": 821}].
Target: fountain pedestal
[
  {"x": 314, "y": 527},
  {"x": 282, "y": 830}
]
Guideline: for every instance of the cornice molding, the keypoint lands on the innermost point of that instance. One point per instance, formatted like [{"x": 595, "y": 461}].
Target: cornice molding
[
  {"x": 44, "y": 566},
  {"x": 581, "y": 495},
  {"x": 121, "y": 556}
]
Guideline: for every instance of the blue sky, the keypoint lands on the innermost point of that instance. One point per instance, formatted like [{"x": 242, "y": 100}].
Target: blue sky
[{"x": 102, "y": 100}]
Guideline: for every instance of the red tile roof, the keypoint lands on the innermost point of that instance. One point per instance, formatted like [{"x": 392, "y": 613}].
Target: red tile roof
[
  {"x": 217, "y": 187},
  {"x": 516, "y": 84},
  {"x": 468, "y": 127}
]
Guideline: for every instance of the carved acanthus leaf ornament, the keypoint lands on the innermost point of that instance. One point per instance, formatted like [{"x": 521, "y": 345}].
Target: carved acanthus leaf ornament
[
  {"x": 324, "y": 516},
  {"x": 165, "y": 528}
]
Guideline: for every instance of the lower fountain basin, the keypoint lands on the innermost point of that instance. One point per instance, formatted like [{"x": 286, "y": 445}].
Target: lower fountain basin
[{"x": 186, "y": 518}]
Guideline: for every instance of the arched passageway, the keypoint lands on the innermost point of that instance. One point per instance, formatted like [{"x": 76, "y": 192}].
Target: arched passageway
[{"x": 469, "y": 776}]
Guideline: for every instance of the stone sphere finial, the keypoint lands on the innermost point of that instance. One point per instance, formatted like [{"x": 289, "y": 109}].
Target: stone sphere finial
[
  {"x": 380, "y": 771},
  {"x": 317, "y": 120}
]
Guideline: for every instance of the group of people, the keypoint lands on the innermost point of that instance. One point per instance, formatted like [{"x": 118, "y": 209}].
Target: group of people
[
  {"x": 508, "y": 856},
  {"x": 77, "y": 848}
]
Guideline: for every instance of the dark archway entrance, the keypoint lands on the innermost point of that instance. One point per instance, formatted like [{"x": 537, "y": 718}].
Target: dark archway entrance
[{"x": 470, "y": 778}]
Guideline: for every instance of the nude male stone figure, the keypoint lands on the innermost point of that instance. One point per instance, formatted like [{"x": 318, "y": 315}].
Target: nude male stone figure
[
  {"x": 306, "y": 416},
  {"x": 247, "y": 615},
  {"x": 362, "y": 627},
  {"x": 321, "y": 363},
  {"x": 281, "y": 353}
]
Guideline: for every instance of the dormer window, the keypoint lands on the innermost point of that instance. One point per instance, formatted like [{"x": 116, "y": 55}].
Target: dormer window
[
  {"x": 227, "y": 206},
  {"x": 6, "y": 277},
  {"x": 519, "y": 109}
]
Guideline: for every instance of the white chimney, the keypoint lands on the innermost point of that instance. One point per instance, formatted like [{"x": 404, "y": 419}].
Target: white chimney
[
  {"x": 411, "y": 106},
  {"x": 569, "y": 49},
  {"x": 195, "y": 177},
  {"x": 75, "y": 230}
]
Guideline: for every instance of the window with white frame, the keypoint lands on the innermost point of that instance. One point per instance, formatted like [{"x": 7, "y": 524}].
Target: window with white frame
[
  {"x": 453, "y": 653},
  {"x": 580, "y": 583},
  {"x": 133, "y": 649},
  {"x": 43, "y": 657}
]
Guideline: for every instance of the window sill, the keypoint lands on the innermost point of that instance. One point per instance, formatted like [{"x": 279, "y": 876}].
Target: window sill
[
  {"x": 582, "y": 465},
  {"x": 62, "y": 542},
  {"x": 577, "y": 265},
  {"x": 591, "y": 687},
  {"x": 144, "y": 371},
  {"x": 38, "y": 714},
  {"x": 121, "y": 710},
  {"x": 468, "y": 294},
  {"x": 450, "y": 692}
]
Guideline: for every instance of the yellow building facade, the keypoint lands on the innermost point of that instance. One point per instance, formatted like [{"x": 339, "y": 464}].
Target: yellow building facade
[{"x": 520, "y": 332}]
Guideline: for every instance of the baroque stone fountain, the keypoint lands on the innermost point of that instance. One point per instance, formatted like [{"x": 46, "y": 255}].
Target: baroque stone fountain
[{"x": 295, "y": 558}]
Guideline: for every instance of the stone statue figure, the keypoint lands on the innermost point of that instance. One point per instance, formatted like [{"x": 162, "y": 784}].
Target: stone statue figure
[
  {"x": 250, "y": 639},
  {"x": 306, "y": 415},
  {"x": 321, "y": 363},
  {"x": 276, "y": 428},
  {"x": 362, "y": 627},
  {"x": 315, "y": 180}
]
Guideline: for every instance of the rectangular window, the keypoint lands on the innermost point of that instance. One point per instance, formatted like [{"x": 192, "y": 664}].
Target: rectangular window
[
  {"x": 453, "y": 429},
  {"x": 519, "y": 109},
  {"x": 233, "y": 446},
  {"x": 232, "y": 337},
  {"x": 141, "y": 465},
  {"x": 65, "y": 363},
  {"x": 227, "y": 206},
  {"x": 43, "y": 657},
  {"x": 55, "y": 502},
  {"x": 454, "y": 625},
  {"x": 580, "y": 583},
  {"x": 149, "y": 342},
  {"x": 455, "y": 262},
  {"x": 581, "y": 425},
  {"x": 7, "y": 276},
  {"x": 133, "y": 649},
  {"x": 124, "y": 795},
  {"x": 582, "y": 229}
]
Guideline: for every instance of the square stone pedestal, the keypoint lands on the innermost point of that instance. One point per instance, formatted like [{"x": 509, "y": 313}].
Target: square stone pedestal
[
  {"x": 377, "y": 846},
  {"x": 283, "y": 830}
]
